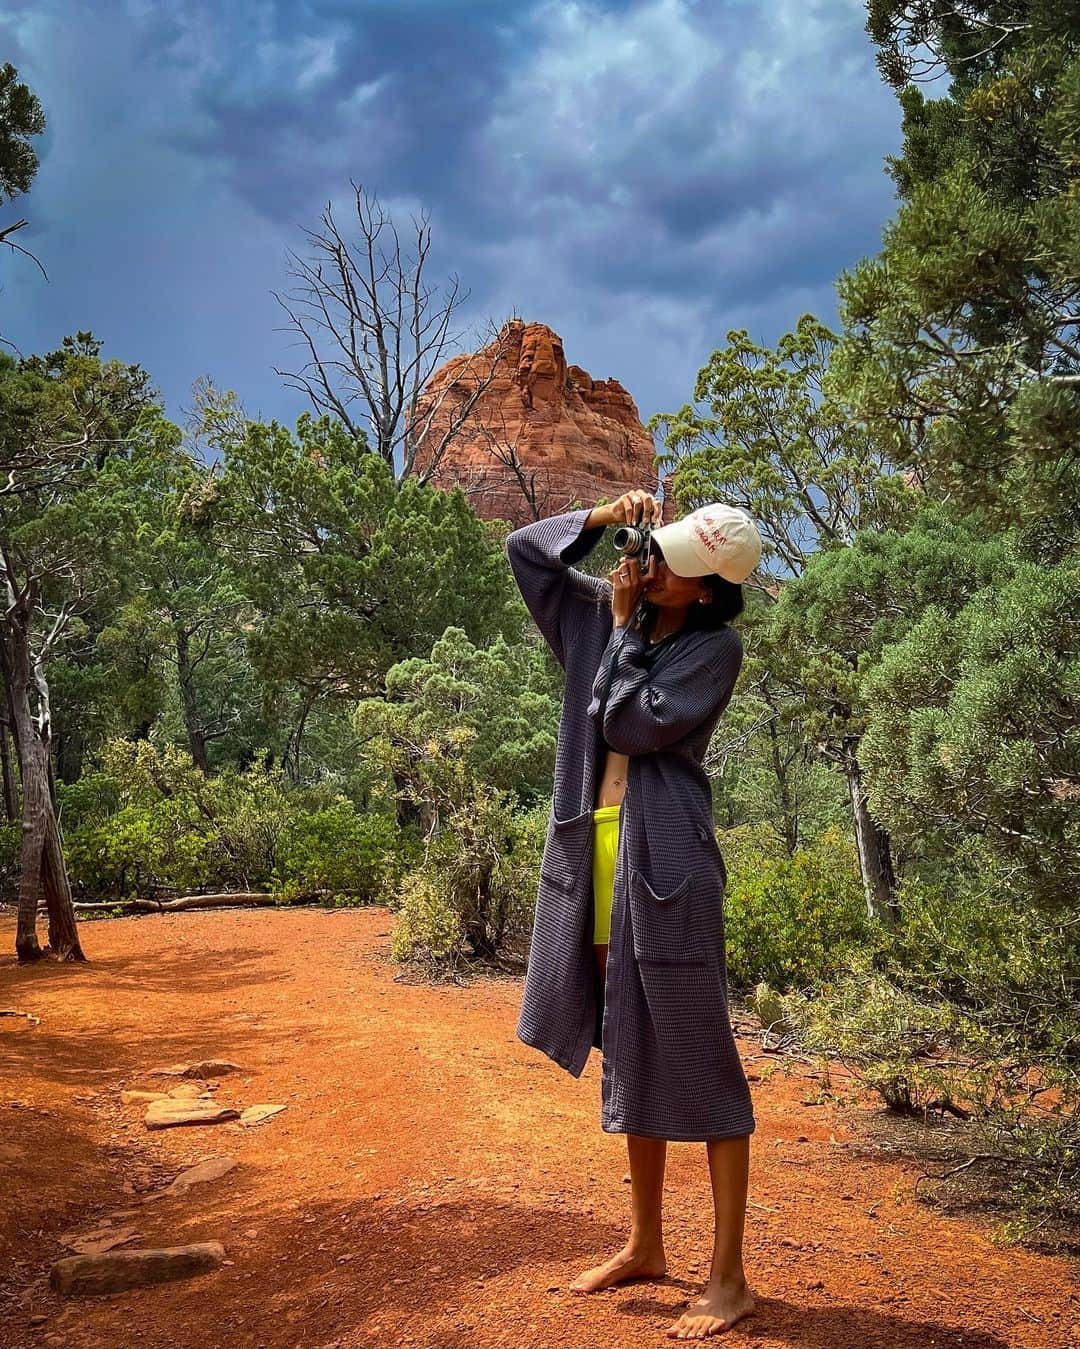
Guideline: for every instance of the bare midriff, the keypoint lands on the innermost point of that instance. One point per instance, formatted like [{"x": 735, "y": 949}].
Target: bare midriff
[{"x": 613, "y": 781}]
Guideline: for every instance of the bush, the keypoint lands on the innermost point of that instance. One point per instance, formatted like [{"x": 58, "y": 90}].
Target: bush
[
  {"x": 357, "y": 858},
  {"x": 924, "y": 1054},
  {"x": 792, "y": 920},
  {"x": 970, "y": 1008},
  {"x": 473, "y": 895},
  {"x": 149, "y": 820}
]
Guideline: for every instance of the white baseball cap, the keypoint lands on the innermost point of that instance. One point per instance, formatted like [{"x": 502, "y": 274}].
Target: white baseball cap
[{"x": 715, "y": 538}]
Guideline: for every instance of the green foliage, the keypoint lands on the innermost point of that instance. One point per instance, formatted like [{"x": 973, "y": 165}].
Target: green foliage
[
  {"x": 982, "y": 740},
  {"x": 853, "y": 604},
  {"x": 345, "y": 571},
  {"x": 355, "y": 858},
  {"x": 148, "y": 820},
  {"x": 10, "y": 836},
  {"x": 472, "y": 897},
  {"x": 493, "y": 708},
  {"x": 969, "y": 1006},
  {"x": 769, "y": 440},
  {"x": 961, "y": 338},
  {"x": 174, "y": 827},
  {"x": 21, "y": 117},
  {"x": 350, "y": 571},
  {"x": 791, "y": 920}
]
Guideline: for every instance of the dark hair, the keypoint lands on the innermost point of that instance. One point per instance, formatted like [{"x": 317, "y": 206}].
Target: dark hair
[{"x": 726, "y": 603}]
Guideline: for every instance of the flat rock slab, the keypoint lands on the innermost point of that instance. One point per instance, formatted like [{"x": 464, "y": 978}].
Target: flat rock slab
[
  {"x": 119, "y": 1270},
  {"x": 257, "y": 1114},
  {"x": 164, "y": 1114},
  {"x": 188, "y": 1091},
  {"x": 214, "y": 1168},
  {"x": 134, "y": 1097},
  {"x": 201, "y": 1068},
  {"x": 99, "y": 1241}
]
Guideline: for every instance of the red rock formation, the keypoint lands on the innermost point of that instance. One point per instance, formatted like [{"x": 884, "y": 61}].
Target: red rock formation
[{"x": 543, "y": 435}]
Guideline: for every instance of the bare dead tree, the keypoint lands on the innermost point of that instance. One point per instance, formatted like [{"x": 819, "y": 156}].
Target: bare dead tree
[{"x": 374, "y": 331}]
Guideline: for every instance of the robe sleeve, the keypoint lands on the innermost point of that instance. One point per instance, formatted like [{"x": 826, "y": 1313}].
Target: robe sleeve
[
  {"x": 649, "y": 710},
  {"x": 560, "y": 598}
]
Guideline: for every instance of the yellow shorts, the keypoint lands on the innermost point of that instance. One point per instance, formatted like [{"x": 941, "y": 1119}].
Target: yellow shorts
[{"x": 605, "y": 850}]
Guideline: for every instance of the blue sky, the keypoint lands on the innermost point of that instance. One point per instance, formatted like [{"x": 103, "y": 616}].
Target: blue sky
[{"x": 642, "y": 175}]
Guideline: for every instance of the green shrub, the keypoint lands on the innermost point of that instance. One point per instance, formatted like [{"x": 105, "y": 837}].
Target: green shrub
[
  {"x": 356, "y": 858},
  {"x": 473, "y": 895},
  {"x": 971, "y": 1007},
  {"x": 140, "y": 846},
  {"x": 791, "y": 920},
  {"x": 148, "y": 819}
]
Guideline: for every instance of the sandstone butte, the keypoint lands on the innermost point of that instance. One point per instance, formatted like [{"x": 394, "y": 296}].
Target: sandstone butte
[{"x": 543, "y": 435}]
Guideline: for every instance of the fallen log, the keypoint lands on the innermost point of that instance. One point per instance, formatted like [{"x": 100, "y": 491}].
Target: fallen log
[{"x": 227, "y": 899}]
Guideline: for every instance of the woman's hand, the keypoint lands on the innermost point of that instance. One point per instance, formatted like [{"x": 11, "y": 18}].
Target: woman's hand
[
  {"x": 627, "y": 579},
  {"x": 628, "y": 583},
  {"x": 629, "y": 509}
]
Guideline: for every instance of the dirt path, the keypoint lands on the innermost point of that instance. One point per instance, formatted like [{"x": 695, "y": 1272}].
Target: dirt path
[{"x": 433, "y": 1181}]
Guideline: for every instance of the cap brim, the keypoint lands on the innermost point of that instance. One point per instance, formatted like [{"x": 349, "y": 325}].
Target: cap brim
[{"x": 678, "y": 554}]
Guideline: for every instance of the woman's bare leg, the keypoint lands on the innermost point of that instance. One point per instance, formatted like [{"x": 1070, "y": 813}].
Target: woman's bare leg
[
  {"x": 726, "y": 1297},
  {"x": 643, "y": 1255}
]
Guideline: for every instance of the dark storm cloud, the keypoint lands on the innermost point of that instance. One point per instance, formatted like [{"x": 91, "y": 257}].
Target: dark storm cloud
[{"x": 641, "y": 174}]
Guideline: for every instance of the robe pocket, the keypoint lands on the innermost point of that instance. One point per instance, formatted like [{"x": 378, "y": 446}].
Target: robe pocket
[
  {"x": 565, "y": 851},
  {"x": 665, "y": 927}
]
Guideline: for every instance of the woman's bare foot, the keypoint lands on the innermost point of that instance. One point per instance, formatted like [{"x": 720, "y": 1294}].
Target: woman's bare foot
[
  {"x": 628, "y": 1264},
  {"x": 716, "y": 1310}
]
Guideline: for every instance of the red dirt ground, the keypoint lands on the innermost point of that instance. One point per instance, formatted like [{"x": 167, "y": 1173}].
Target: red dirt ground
[{"x": 433, "y": 1181}]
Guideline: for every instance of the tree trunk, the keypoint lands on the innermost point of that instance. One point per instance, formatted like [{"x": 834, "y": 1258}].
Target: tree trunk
[
  {"x": 185, "y": 672},
  {"x": 875, "y": 857},
  {"x": 787, "y": 807},
  {"x": 63, "y": 928},
  {"x": 42, "y": 873},
  {"x": 36, "y": 808},
  {"x": 290, "y": 760},
  {"x": 11, "y": 799}
]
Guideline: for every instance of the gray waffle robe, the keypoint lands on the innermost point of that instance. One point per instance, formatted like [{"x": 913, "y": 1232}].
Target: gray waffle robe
[{"x": 671, "y": 1068}]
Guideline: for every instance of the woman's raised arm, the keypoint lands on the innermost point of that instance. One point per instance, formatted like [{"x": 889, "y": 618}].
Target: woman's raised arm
[{"x": 558, "y": 596}]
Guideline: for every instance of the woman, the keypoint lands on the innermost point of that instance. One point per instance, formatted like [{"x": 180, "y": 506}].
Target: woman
[{"x": 627, "y": 951}]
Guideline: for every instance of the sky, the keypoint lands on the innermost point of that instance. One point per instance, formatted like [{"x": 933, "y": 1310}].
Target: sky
[{"x": 640, "y": 175}]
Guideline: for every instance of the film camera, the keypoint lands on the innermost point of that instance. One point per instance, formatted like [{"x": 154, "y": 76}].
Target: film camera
[{"x": 635, "y": 541}]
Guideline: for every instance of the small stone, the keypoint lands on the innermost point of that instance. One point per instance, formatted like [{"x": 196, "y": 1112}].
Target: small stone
[
  {"x": 256, "y": 1114},
  {"x": 203, "y": 1174},
  {"x": 201, "y": 1068},
  {"x": 39, "y": 1319},
  {"x": 99, "y": 1241},
  {"x": 186, "y": 1091},
  {"x": 164, "y": 1114},
  {"x": 553, "y": 1288},
  {"x": 136, "y": 1097},
  {"x": 119, "y": 1270}
]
